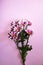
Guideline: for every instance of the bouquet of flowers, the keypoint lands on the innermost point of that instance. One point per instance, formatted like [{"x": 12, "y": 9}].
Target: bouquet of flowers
[{"x": 20, "y": 34}]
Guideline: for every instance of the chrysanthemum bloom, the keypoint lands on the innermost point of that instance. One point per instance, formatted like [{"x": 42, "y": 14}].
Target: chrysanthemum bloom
[
  {"x": 23, "y": 23},
  {"x": 18, "y": 28},
  {"x": 16, "y": 23},
  {"x": 30, "y": 32},
  {"x": 29, "y": 23},
  {"x": 14, "y": 34}
]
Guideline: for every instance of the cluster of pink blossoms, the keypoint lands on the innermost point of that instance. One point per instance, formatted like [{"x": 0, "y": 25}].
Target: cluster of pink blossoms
[
  {"x": 20, "y": 34},
  {"x": 18, "y": 26}
]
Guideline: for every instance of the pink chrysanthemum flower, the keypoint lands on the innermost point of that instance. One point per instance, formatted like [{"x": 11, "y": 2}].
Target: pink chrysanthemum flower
[
  {"x": 14, "y": 34},
  {"x": 23, "y": 23},
  {"x": 18, "y": 28},
  {"x": 30, "y": 32},
  {"x": 16, "y": 23},
  {"x": 29, "y": 23}
]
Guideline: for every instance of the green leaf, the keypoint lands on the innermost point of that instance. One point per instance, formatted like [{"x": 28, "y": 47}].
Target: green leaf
[{"x": 29, "y": 48}]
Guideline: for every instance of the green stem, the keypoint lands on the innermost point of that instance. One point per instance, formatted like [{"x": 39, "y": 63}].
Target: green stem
[
  {"x": 27, "y": 42},
  {"x": 23, "y": 63},
  {"x": 22, "y": 54}
]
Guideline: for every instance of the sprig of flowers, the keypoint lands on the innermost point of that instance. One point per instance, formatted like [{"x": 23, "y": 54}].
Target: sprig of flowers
[{"x": 19, "y": 33}]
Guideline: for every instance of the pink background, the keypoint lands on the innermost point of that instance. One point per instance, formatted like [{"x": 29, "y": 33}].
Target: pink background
[{"x": 17, "y": 9}]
